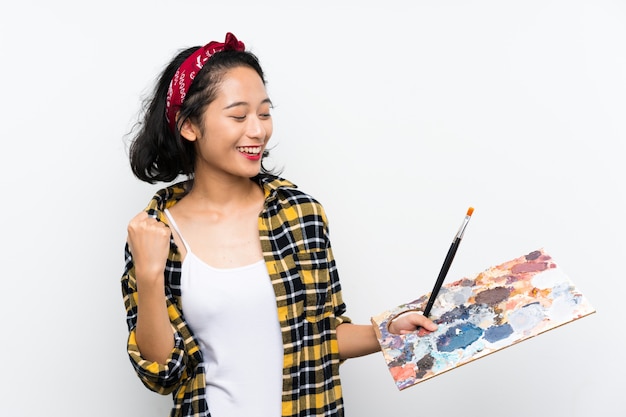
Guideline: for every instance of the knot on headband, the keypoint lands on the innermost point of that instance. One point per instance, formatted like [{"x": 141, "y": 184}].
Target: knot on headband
[{"x": 180, "y": 83}]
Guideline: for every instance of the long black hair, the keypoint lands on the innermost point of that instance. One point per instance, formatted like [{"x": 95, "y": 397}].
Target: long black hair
[{"x": 156, "y": 152}]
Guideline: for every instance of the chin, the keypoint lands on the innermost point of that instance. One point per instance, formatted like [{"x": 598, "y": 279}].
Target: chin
[{"x": 249, "y": 173}]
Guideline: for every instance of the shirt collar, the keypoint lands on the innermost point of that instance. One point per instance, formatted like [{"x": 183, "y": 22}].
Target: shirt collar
[
  {"x": 168, "y": 196},
  {"x": 271, "y": 184}
]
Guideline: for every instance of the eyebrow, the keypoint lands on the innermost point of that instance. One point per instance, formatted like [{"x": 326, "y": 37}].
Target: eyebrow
[{"x": 244, "y": 103}]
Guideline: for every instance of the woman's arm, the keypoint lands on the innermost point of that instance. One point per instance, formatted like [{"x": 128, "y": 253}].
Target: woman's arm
[
  {"x": 356, "y": 340},
  {"x": 360, "y": 339},
  {"x": 149, "y": 240}
]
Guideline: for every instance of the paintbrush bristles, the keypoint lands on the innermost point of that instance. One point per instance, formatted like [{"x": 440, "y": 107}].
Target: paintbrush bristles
[{"x": 470, "y": 211}]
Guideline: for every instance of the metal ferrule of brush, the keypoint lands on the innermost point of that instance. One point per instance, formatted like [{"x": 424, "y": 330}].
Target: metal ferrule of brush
[{"x": 459, "y": 234}]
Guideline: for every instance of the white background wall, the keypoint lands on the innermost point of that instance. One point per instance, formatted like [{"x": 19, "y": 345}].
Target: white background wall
[{"x": 396, "y": 115}]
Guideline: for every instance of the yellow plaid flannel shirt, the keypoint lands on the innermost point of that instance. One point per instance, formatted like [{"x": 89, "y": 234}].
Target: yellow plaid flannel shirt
[{"x": 297, "y": 252}]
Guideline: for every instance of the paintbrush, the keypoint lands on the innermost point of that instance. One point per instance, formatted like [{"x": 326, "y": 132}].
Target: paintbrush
[{"x": 447, "y": 262}]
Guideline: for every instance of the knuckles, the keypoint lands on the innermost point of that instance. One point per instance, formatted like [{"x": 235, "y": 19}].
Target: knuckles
[{"x": 142, "y": 224}]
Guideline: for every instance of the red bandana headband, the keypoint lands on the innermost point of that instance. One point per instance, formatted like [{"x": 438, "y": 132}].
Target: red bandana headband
[{"x": 187, "y": 72}]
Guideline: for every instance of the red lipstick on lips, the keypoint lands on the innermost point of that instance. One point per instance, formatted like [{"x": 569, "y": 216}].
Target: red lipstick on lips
[{"x": 252, "y": 157}]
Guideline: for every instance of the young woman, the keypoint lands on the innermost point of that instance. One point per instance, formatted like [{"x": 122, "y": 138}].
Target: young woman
[{"x": 231, "y": 291}]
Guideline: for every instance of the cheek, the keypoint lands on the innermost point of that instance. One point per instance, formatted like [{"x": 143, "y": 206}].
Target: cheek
[
  {"x": 269, "y": 129},
  {"x": 220, "y": 132}
]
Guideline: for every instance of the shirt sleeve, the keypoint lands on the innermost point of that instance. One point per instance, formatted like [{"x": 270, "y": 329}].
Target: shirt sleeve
[
  {"x": 335, "y": 286},
  {"x": 339, "y": 307},
  {"x": 160, "y": 378}
]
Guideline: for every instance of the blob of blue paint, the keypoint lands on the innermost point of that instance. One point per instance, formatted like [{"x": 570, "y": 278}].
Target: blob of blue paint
[
  {"x": 495, "y": 333},
  {"x": 458, "y": 337},
  {"x": 458, "y": 313}
]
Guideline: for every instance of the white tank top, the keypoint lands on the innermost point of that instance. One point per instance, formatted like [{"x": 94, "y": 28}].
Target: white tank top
[{"x": 233, "y": 314}]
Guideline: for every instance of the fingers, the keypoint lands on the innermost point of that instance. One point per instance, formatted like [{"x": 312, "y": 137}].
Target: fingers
[
  {"x": 143, "y": 226},
  {"x": 411, "y": 321},
  {"x": 419, "y": 320},
  {"x": 148, "y": 241}
]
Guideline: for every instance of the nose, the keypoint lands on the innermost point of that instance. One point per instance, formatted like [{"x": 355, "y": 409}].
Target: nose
[{"x": 258, "y": 128}]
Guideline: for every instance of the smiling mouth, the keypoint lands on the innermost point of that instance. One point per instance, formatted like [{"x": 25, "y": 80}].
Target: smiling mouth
[{"x": 250, "y": 150}]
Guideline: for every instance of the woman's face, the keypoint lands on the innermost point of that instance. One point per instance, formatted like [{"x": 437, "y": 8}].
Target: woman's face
[{"x": 237, "y": 126}]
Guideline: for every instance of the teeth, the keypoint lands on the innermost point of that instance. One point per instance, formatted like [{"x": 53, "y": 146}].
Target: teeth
[{"x": 253, "y": 150}]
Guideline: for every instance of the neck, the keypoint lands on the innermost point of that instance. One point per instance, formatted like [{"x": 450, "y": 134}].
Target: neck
[{"x": 223, "y": 192}]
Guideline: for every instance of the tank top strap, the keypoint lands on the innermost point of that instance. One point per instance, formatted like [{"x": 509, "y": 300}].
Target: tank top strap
[{"x": 175, "y": 227}]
